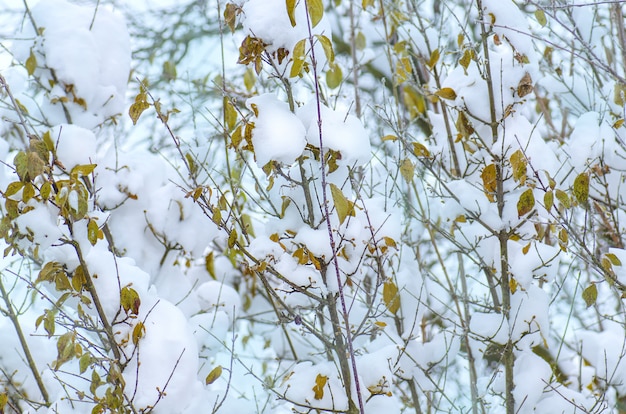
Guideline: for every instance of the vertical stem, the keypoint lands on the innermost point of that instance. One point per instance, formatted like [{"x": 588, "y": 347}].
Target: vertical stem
[
  {"x": 355, "y": 63},
  {"x": 325, "y": 201},
  {"x": 29, "y": 357},
  {"x": 508, "y": 358},
  {"x": 96, "y": 301}
]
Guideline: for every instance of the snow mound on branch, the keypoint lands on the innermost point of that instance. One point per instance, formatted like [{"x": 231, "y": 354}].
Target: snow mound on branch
[
  {"x": 278, "y": 134},
  {"x": 340, "y": 132},
  {"x": 168, "y": 361},
  {"x": 85, "y": 54},
  {"x": 268, "y": 20},
  {"x": 74, "y": 145}
]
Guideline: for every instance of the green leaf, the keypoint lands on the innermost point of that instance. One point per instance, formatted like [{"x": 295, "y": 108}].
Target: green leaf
[
  {"x": 92, "y": 232},
  {"x": 84, "y": 362},
  {"x": 590, "y": 294},
  {"x": 298, "y": 58},
  {"x": 525, "y": 203},
  {"x": 130, "y": 301},
  {"x": 232, "y": 238},
  {"x": 391, "y": 298},
  {"x": 541, "y": 17},
  {"x": 49, "y": 323},
  {"x": 291, "y": 11},
  {"x": 45, "y": 190},
  {"x": 343, "y": 207},
  {"x": 360, "y": 42},
  {"x": 213, "y": 375},
  {"x": 28, "y": 165},
  {"x": 169, "y": 70},
  {"x": 334, "y": 76},
  {"x": 315, "y": 8},
  {"x": 28, "y": 192},
  {"x": 581, "y": 188}
]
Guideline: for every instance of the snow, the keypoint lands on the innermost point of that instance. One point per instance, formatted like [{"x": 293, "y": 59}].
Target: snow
[
  {"x": 74, "y": 145},
  {"x": 340, "y": 132},
  {"x": 278, "y": 134},
  {"x": 90, "y": 62},
  {"x": 261, "y": 309}
]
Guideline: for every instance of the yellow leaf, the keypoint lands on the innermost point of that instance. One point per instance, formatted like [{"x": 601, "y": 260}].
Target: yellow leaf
[
  {"x": 434, "y": 58},
  {"x": 419, "y": 150},
  {"x": 467, "y": 57},
  {"x": 209, "y": 264},
  {"x": 366, "y": 3},
  {"x": 581, "y": 188},
  {"x": 407, "y": 169},
  {"x": 230, "y": 114},
  {"x": 298, "y": 58},
  {"x": 518, "y": 165},
  {"x": 392, "y": 243},
  {"x": 525, "y": 203},
  {"x": 389, "y": 138},
  {"x": 464, "y": 126},
  {"x": 137, "y": 108},
  {"x": 513, "y": 285},
  {"x": 618, "y": 123},
  {"x": 615, "y": 261},
  {"x": 316, "y": 11},
  {"x": 230, "y": 15},
  {"x": 590, "y": 294},
  {"x": 213, "y": 375},
  {"x": 446, "y": 93},
  {"x": 391, "y": 298},
  {"x": 563, "y": 239},
  {"x": 249, "y": 79},
  {"x": 414, "y": 101},
  {"x": 563, "y": 198},
  {"x": 343, "y": 207},
  {"x": 318, "y": 388},
  {"x": 328, "y": 48},
  {"x": 31, "y": 63},
  {"x": 489, "y": 181},
  {"x": 291, "y": 11},
  {"x": 548, "y": 200},
  {"x": 138, "y": 332},
  {"x": 541, "y": 17},
  {"x": 525, "y": 249}
]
